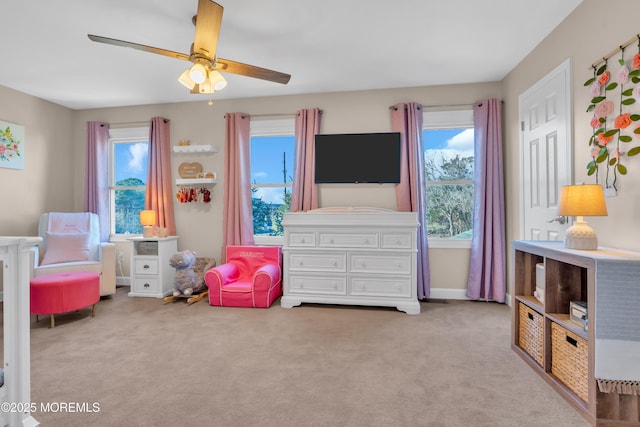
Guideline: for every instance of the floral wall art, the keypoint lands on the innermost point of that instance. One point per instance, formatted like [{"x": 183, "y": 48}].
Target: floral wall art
[
  {"x": 11, "y": 145},
  {"x": 615, "y": 104}
]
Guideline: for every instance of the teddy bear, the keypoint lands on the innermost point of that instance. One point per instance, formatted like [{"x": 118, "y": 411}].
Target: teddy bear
[{"x": 187, "y": 281}]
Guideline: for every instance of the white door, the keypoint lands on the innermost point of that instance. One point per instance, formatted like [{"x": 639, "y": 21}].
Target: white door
[{"x": 545, "y": 153}]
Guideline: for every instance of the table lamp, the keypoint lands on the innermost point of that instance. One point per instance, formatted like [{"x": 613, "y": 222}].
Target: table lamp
[
  {"x": 147, "y": 220},
  {"x": 579, "y": 201}
]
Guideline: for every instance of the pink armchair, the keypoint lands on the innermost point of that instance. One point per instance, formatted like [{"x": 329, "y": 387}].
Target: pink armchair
[{"x": 251, "y": 277}]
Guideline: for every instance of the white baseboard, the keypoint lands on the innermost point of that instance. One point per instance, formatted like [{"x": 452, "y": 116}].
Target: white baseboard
[
  {"x": 460, "y": 294},
  {"x": 123, "y": 281},
  {"x": 444, "y": 293}
]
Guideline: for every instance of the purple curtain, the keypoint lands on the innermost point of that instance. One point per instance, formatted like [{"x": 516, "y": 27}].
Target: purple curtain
[
  {"x": 410, "y": 193},
  {"x": 304, "y": 195},
  {"x": 159, "y": 192},
  {"x": 488, "y": 258},
  {"x": 96, "y": 191},
  {"x": 238, "y": 212}
]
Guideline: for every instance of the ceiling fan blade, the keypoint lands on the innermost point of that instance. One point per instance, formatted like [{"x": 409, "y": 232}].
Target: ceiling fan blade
[
  {"x": 138, "y": 46},
  {"x": 208, "y": 21},
  {"x": 234, "y": 67}
]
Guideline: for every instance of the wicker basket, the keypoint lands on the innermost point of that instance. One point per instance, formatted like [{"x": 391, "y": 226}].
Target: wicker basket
[
  {"x": 531, "y": 330},
  {"x": 569, "y": 360},
  {"x": 147, "y": 248}
]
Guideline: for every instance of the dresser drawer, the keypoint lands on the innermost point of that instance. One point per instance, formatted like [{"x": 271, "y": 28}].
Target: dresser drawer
[
  {"x": 380, "y": 263},
  {"x": 301, "y": 239},
  {"x": 317, "y": 261},
  {"x": 146, "y": 266},
  {"x": 390, "y": 240},
  {"x": 348, "y": 240},
  {"x": 326, "y": 285},
  {"x": 146, "y": 285},
  {"x": 379, "y": 286}
]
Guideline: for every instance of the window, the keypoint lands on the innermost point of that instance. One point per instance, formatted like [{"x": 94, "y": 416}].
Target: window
[
  {"x": 129, "y": 150},
  {"x": 449, "y": 163},
  {"x": 272, "y": 146}
]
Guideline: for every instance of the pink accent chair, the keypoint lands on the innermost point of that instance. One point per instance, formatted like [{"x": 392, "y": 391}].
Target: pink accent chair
[{"x": 251, "y": 277}]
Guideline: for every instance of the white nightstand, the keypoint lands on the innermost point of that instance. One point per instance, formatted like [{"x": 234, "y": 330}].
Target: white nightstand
[{"x": 151, "y": 274}]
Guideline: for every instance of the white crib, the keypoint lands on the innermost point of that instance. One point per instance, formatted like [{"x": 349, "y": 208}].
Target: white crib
[{"x": 15, "y": 393}]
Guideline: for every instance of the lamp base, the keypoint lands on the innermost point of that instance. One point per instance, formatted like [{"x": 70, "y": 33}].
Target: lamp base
[
  {"x": 147, "y": 231},
  {"x": 581, "y": 236}
]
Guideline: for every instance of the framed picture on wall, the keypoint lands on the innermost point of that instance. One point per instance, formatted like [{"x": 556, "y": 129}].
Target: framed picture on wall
[{"x": 11, "y": 145}]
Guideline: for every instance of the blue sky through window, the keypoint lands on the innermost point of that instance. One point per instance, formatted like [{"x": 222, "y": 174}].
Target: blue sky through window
[
  {"x": 131, "y": 160},
  {"x": 267, "y": 159}
]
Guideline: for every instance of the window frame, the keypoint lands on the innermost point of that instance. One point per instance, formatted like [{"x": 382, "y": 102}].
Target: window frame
[
  {"x": 121, "y": 135},
  {"x": 272, "y": 127},
  {"x": 448, "y": 119}
]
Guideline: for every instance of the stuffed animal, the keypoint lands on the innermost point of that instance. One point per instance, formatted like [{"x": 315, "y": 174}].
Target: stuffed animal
[{"x": 187, "y": 281}]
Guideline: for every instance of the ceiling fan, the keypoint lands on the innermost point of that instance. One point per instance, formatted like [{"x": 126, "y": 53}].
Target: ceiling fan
[{"x": 204, "y": 76}]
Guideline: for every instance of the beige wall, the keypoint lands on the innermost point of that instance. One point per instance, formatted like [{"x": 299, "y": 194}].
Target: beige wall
[
  {"x": 47, "y": 180},
  {"x": 588, "y": 34}
]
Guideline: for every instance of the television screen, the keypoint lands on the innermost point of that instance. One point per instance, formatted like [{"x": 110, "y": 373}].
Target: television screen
[{"x": 357, "y": 158}]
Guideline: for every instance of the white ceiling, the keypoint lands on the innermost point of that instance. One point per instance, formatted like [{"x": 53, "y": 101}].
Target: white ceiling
[{"x": 327, "y": 46}]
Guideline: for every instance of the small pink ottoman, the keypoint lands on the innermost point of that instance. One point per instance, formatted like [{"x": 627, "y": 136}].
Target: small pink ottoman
[{"x": 64, "y": 292}]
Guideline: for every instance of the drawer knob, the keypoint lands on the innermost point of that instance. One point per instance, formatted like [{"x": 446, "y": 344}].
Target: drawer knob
[
  {"x": 335, "y": 263},
  {"x": 330, "y": 240},
  {"x": 335, "y": 286},
  {"x": 300, "y": 263},
  {"x": 146, "y": 285},
  {"x": 302, "y": 240},
  {"x": 366, "y": 241},
  {"x": 146, "y": 266},
  {"x": 398, "y": 242}
]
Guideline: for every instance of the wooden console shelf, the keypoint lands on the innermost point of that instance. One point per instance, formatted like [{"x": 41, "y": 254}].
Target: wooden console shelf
[{"x": 595, "y": 367}]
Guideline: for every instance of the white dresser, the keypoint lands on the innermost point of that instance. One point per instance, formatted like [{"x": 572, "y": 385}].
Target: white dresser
[
  {"x": 354, "y": 256},
  {"x": 151, "y": 274}
]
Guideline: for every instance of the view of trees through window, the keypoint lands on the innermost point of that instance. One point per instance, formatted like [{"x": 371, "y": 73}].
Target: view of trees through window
[
  {"x": 449, "y": 159},
  {"x": 128, "y": 188},
  {"x": 271, "y": 178}
]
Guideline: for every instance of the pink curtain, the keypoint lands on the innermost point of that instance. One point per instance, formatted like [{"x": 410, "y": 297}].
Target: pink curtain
[
  {"x": 488, "y": 258},
  {"x": 159, "y": 192},
  {"x": 410, "y": 193},
  {"x": 96, "y": 190},
  {"x": 304, "y": 195},
  {"x": 238, "y": 212}
]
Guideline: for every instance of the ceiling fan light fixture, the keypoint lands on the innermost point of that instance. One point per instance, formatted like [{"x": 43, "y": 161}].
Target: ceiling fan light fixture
[
  {"x": 186, "y": 80},
  {"x": 198, "y": 73},
  {"x": 206, "y": 87},
  {"x": 217, "y": 80}
]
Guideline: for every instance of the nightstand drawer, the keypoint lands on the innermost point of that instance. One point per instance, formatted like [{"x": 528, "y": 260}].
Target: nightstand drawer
[
  {"x": 146, "y": 285},
  {"x": 146, "y": 266}
]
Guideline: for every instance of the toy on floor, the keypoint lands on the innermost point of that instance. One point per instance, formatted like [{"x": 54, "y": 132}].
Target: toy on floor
[{"x": 189, "y": 280}]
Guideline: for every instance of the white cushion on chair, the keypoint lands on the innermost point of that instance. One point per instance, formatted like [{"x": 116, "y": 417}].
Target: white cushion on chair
[{"x": 66, "y": 247}]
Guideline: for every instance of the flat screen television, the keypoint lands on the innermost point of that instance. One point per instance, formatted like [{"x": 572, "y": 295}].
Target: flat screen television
[{"x": 357, "y": 158}]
